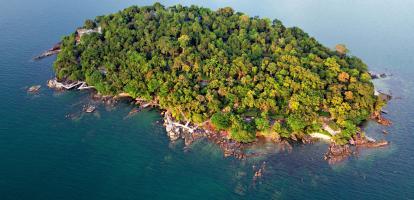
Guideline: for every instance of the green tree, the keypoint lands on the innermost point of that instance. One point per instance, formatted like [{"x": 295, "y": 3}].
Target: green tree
[
  {"x": 224, "y": 66},
  {"x": 262, "y": 124},
  {"x": 221, "y": 120},
  {"x": 90, "y": 24}
]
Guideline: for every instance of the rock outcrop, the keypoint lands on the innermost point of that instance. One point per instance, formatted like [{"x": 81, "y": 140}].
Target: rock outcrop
[
  {"x": 380, "y": 119},
  {"x": 52, "y": 51},
  {"x": 377, "y": 75},
  {"x": 337, "y": 153},
  {"x": 367, "y": 142}
]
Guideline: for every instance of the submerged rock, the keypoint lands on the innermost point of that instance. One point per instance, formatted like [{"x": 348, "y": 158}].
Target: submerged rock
[
  {"x": 109, "y": 101},
  {"x": 240, "y": 189},
  {"x": 34, "y": 88},
  {"x": 89, "y": 108},
  {"x": 285, "y": 146},
  {"x": 259, "y": 172},
  {"x": 133, "y": 112}
]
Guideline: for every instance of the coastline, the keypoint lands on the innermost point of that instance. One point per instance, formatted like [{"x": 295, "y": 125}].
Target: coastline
[
  {"x": 189, "y": 133},
  {"x": 328, "y": 121}
]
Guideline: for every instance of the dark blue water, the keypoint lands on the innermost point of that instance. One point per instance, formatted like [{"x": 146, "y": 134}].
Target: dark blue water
[{"x": 44, "y": 155}]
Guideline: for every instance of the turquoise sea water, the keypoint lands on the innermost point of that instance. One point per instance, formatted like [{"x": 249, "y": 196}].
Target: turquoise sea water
[{"x": 44, "y": 155}]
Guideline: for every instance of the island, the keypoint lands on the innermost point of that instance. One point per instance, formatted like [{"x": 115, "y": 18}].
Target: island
[{"x": 224, "y": 75}]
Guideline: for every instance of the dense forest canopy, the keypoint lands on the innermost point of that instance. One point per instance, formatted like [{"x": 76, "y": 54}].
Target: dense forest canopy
[{"x": 246, "y": 75}]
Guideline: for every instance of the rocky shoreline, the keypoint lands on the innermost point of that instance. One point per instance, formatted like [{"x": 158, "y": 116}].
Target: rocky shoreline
[
  {"x": 34, "y": 89},
  {"x": 52, "y": 51},
  {"x": 337, "y": 153},
  {"x": 378, "y": 75},
  {"x": 189, "y": 133},
  {"x": 175, "y": 130}
]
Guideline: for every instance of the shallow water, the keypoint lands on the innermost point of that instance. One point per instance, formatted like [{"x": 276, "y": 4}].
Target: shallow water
[{"x": 107, "y": 156}]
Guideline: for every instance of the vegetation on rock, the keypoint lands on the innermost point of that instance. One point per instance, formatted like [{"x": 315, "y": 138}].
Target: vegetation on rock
[{"x": 246, "y": 74}]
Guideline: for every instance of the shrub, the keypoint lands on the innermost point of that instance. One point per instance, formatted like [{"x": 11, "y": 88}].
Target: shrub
[
  {"x": 221, "y": 121},
  {"x": 262, "y": 124},
  {"x": 243, "y": 135}
]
